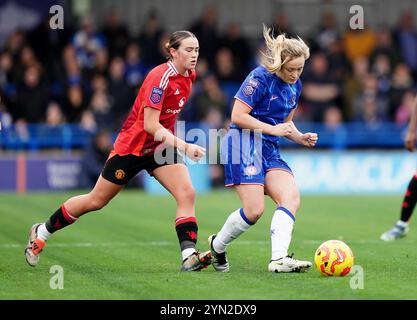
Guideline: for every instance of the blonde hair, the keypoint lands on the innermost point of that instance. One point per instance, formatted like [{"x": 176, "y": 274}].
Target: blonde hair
[{"x": 280, "y": 50}]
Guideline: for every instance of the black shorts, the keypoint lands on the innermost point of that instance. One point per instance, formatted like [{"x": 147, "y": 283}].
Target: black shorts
[{"x": 120, "y": 169}]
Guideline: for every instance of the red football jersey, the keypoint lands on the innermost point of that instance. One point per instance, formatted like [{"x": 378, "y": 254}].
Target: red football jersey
[{"x": 163, "y": 89}]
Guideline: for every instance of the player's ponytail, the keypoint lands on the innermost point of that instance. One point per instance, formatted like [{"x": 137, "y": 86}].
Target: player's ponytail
[
  {"x": 280, "y": 50},
  {"x": 175, "y": 40}
]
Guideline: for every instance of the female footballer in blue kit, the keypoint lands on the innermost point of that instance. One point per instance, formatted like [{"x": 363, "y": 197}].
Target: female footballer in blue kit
[{"x": 263, "y": 111}]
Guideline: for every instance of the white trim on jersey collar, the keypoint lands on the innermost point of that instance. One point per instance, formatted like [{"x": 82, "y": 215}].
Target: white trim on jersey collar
[{"x": 173, "y": 67}]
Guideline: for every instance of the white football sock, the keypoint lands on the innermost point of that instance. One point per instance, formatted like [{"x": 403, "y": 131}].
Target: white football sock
[
  {"x": 187, "y": 252},
  {"x": 235, "y": 225},
  {"x": 281, "y": 232},
  {"x": 43, "y": 233}
]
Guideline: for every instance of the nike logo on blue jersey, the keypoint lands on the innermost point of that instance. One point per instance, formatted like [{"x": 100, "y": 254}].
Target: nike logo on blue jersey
[{"x": 273, "y": 97}]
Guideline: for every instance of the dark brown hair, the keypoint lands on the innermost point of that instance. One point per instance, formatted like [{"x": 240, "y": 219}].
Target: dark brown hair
[{"x": 176, "y": 38}]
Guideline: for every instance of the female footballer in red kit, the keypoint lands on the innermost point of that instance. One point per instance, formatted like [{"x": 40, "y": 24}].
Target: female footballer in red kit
[{"x": 150, "y": 123}]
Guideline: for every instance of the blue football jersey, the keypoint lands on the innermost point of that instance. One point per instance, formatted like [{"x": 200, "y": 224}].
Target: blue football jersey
[{"x": 270, "y": 98}]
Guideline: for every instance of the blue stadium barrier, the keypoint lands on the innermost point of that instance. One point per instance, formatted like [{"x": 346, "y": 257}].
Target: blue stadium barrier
[
  {"x": 39, "y": 136},
  {"x": 72, "y": 136},
  {"x": 315, "y": 171}
]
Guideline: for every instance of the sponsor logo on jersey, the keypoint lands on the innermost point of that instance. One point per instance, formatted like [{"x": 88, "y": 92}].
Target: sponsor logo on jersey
[
  {"x": 251, "y": 170},
  {"x": 119, "y": 174},
  {"x": 177, "y": 92},
  {"x": 156, "y": 95},
  {"x": 173, "y": 111}
]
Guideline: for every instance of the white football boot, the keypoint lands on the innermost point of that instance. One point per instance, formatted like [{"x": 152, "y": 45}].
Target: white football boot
[
  {"x": 288, "y": 264},
  {"x": 399, "y": 230}
]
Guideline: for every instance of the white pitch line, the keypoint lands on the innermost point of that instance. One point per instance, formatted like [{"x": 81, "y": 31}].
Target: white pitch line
[
  {"x": 94, "y": 244},
  {"x": 173, "y": 243}
]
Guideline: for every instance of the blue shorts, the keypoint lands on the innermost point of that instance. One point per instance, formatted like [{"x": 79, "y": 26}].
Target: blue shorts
[{"x": 247, "y": 157}]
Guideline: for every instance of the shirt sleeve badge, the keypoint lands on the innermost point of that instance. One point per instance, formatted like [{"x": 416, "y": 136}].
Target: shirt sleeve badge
[
  {"x": 250, "y": 87},
  {"x": 156, "y": 95}
]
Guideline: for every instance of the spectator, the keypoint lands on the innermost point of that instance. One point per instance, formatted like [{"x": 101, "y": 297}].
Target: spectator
[
  {"x": 281, "y": 25},
  {"x": 371, "y": 112},
  {"x": 337, "y": 60},
  {"x": 359, "y": 43},
  {"x": 87, "y": 42},
  {"x": 72, "y": 73},
  {"x": 403, "y": 111},
  {"x": 205, "y": 29},
  {"x": 48, "y": 43},
  {"x": 8, "y": 78},
  {"x": 320, "y": 88},
  {"x": 149, "y": 41},
  {"x": 191, "y": 113},
  {"x": 135, "y": 68},
  {"x": 75, "y": 104},
  {"x": 334, "y": 129},
  {"x": 32, "y": 97},
  {"x": 406, "y": 39},
  {"x": 15, "y": 43},
  {"x": 95, "y": 155},
  {"x": 101, "y": 62},
  {"x": 382, "y": 69},
  {"x": 210, "y": 100},
  {"x": 116, "y": 34},
  {"x": 54, "y": 115},
  {"x": 370, "y": 105},
  {"x": 226, "y": 67},
  {"x": 352, "y": 84},
  {"x": 28, "y": 58},
  {"x": 327, "y": 33},
  {"x": 99, "y": 83},
  {"x": 88, "y": 122},
  {"x": 401, "y": 82},
  {"x": 384, "y": 45},
  {"x": 101, "y": 107},
  {"x": 53, "y": 123},
  {"x": 120, "y": 93},
  {"x": 238, "y": 46},
  {"x": 6, "y": 119}
]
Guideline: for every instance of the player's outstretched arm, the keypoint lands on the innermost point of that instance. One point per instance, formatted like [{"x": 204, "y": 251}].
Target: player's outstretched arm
[
  {"x": 308, "y": 139},
  {"x": 242, "y": 118},
  {"x": 154, "y": 127},
  {"x": 410, "y": 138}
]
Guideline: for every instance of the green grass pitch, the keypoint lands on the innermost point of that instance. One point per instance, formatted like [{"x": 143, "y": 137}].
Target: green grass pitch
[{"x": 129, "y": 250}]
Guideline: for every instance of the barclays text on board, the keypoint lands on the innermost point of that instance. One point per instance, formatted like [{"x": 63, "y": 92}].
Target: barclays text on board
[{"x": 352, "y": 172}]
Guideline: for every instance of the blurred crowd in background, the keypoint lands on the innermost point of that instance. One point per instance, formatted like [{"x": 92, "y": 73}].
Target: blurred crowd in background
[{"x": 90, "y": 74}]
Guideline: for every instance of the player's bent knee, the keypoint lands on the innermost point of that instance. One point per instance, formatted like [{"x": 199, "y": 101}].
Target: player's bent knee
[
  {"x": 292, "y": 203},
  {"x": 186, "y": 195},
  {"x": 253, "y": 213},
  {"x": 98, "y": 203}
]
